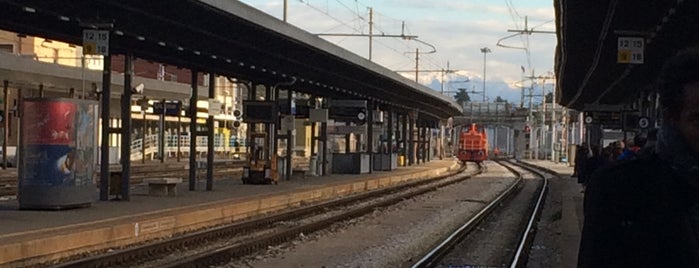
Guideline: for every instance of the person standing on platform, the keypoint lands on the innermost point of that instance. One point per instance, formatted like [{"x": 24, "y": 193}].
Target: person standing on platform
[
  {"x": 581, "y": 154},
  {"x": 645, "y": 212}
]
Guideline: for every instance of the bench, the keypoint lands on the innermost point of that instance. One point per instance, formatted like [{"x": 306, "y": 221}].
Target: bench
[
  {"x": 163, "y": 186},
  {"x": 300, "y": 167}
]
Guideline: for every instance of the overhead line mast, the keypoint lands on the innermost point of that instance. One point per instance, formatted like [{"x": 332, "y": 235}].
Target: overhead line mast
[{"x": 371, "y": 33}]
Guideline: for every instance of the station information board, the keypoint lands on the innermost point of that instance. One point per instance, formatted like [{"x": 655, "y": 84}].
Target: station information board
[
  {"x": 630, "y": 50},
  {"x": 96, "y": 42},
  {"x": 171, "y": 108},
  {"x": 608, "y": 119}
]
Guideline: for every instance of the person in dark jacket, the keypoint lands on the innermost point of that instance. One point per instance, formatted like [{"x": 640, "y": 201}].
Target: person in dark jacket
[
  {"x": 580, "y": 157},
  {"x": 645, "y": 212}
]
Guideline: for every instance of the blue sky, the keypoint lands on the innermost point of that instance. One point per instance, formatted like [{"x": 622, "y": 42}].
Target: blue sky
[{"x": 457, "y": 30}]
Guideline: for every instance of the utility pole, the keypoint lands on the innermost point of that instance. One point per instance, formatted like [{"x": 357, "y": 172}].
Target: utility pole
[
  {"x": 521, "y": 102},
  {"x": 371, "y": 33},
  {"x": 417, "y": 60},
  {"x": 448, "y": 70},
  {"x": 485, "y": 51},
  {"x": 541, "y": 143},
  {"x": 417, "y": 56},
  {"x": 518, "y": 32},
  {"x": 286, "y": 5},
  {"x": 543, "y": 109},
  {"x": 442, "y": 81}
]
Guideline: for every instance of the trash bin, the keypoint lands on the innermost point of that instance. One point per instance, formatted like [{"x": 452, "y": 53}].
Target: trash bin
[
  {"x": 281, "y": 168},
  {"x": 114, "y": 182},
  {"x": 401, "y": 160},
  {"x": 312, "y": 165}
]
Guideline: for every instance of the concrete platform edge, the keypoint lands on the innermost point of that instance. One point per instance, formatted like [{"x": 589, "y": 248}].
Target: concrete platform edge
[{"x": 43, "y": 246}]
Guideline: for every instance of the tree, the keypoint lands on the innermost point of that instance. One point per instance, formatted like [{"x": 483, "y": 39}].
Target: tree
[
  {"x": 500, "y": 99},
  {"x": 548, "y": 98},
  {"x": 462, "y": 96}
]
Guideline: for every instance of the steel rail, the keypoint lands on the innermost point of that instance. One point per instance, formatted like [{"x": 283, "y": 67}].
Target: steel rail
[
  {"x": 148, "y": 251},
  {"x": 431, "y": 258},
  {"x": 521, "y": 255},
  {"x": 224, "y": 254}
]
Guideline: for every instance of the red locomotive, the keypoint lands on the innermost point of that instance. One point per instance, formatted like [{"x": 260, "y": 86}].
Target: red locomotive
[{"x": 473, "y": 145}]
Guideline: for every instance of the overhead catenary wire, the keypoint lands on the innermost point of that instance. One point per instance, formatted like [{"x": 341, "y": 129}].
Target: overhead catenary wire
[{"x": 362, "y": 21}]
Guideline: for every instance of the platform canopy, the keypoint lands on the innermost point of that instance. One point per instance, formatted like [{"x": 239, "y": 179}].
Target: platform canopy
[
  {"x": 590, "y": 33},
  {"x": 227, "y": 38}
]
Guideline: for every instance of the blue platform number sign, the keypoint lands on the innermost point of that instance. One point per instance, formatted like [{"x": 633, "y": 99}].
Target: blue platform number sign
[
  {"x": 630, "y": 50},
  {"x": 96, "y": 42}
]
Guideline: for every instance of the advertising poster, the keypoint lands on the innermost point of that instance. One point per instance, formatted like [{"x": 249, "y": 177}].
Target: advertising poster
[
  {"x": 58, "y": 144},
  {"x": 49, "y": 123}
]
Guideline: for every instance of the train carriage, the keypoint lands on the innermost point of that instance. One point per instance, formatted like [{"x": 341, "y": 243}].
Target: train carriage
[{"x": 473, "y": 145}]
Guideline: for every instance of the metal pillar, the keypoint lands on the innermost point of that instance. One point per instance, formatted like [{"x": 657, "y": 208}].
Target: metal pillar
[
  {"x": 390, "y": 136},
  {"x": 418, "y": 144},
  {"x": 495, "y": 137},
  {"x": 289, "y": 138},
  {"x": 126, "y": 127},
  {"x": 313, "y": 128},
  {"x": 428, "y": 130},
  {"x": 193, "y": 131},
  {"x": 411, "y": 140},
  {"x": 348, "y": 136},
  {"x": 104, "y": 146},
  {"x": 252, "y": 154},
  {"x": 370, "y": 134},
  {"x": 404, "y": 138},
  {"x": 210, "y": 137},
  {"x": 144, "y": 106},
  {"x": 324, "y": 138},
  {"x": 442, "y": 129},
  {"x": 179, "y": 132},
  {"x": 426, "y": 140},
  {"x": 507, "y": 140},
  {"x": 6, "y": 122},
  {"x": 270, "y": 128},
  {"x": 161, "y": 133}
]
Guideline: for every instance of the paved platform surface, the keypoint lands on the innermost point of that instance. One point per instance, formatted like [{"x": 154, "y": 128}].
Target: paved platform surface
[
  {"x": 571, "y": 197},
  {"x": 28, "y": 232}
]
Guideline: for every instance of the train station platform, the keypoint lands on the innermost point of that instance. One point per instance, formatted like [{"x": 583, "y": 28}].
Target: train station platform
[
  {"x": 566, "y": 196},
  {"x": 29, "y": 237}
]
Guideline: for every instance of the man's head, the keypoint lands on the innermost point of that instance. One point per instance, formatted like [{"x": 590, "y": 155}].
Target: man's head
[{"x": 679, "y": 95}]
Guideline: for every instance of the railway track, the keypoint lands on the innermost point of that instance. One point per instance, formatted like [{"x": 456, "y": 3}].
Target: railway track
[
  {"x": 501, "y": 233},
  {"x": 221, "y": 244}
]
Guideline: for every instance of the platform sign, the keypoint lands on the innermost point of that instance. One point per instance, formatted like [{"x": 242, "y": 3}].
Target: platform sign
[
  {"x": 644, "y": 122},
  {"x": 609, "y": 119},
  {"x": 214, "y": 107},
  {"x": 171, "y": 108},
  {"x": 95, "y": 42},
  {"x": 287, "y": 123},
  {"x": 630, "y": 50}
]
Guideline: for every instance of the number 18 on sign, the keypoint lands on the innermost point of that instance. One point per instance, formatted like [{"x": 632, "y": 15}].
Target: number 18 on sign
[
  {"x": 95, "y": 42},
  {"x": 630, "y": 50}
]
